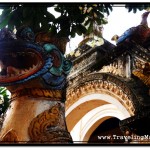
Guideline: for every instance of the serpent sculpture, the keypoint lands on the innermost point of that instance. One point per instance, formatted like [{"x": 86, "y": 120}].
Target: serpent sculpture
[{"x": 34, "y": 70}]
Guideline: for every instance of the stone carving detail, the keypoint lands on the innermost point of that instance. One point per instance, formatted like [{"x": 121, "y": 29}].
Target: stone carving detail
[
  {"x": 10, "y": 137},
  {"x": 83, "y": 63},
  {"x": 78, "y": 51},
  {"x": 144, "y": 78},
  {"x": 141, "y": 52},
  {"x": 138, "y": 64},
  {"x": 109, "y": 86},
  {"x": 50, "y": 94},
  {"x": 141, "y": 71},
  {"x": 116, "y": 68},
  {"x": 45, "y": 127}
]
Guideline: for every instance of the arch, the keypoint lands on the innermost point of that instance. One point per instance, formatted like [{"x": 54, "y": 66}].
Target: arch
[
  {"x": 100, "y": 114},
  {"x": 86, "y": 104},
  {"x": 93, "y": 100},
  {"x": 102, "y": 83},
  {"x": 100, "y": 108}
]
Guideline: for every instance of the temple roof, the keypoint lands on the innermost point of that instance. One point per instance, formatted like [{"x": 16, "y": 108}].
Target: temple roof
[{"x": 107, "y": 53}]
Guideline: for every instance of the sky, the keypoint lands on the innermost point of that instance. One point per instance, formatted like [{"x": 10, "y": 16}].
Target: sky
[{"x": 119, "y": 21}]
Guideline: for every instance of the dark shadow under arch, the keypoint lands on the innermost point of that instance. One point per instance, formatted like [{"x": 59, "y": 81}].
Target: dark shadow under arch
[{"x": 107, "y": 132}]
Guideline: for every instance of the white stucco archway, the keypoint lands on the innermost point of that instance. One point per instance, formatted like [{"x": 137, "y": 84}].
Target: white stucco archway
[{"x": 106, "y": 107}]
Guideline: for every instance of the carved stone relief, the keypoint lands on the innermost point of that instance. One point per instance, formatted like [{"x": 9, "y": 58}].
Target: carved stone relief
[
  {"x": 47, "y": 127},
  {"x": 117, "y": 90}
]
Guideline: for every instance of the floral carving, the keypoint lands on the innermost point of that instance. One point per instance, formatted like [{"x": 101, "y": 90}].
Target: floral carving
[
  {"x": 37, "y": 92},
  {"x": 42, "y": 122},
  {"x": 109, "y": 86},
  {"x": 116, "y": 68},
  {"x": 45, "y": 127}
]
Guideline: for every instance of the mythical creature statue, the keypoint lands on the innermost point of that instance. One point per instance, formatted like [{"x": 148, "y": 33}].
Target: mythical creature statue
[
  {"x": 34, "y": 70},
  {"x": 138, "y": 34}
]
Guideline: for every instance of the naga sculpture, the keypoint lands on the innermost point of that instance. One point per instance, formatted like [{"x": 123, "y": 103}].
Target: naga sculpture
[{"x": 34, "y": 69}]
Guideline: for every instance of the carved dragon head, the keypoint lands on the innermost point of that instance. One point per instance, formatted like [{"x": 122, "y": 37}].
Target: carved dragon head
[{"x": 26, "y": 58}]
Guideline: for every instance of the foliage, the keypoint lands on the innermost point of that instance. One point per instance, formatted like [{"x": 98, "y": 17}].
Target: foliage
[
  {"x": 71, "y": 20},
  {"x": 18, "y": 15},
  {"x": 135, "y": 7},
  {"x": 4, "y": 100},
  {"x": 74, "y": 17}
]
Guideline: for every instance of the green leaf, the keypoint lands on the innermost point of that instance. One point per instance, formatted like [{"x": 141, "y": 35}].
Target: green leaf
[
  {"x": 45, "y": 26},
  {"x": 58, "y": 9},
  {"x": 6, "y": 103},
  {"x": 103, "y": 21},
  {"x": 73, "y": 31},
  {"x": 106, "y": 10},
  {"x": 134, "y": 10},
  {"x": 73, "y": 34},
  {"x": 110, "y": 7},
  {"x": 63, "y": 33},
  {"x": 87, "y": 22},
  {"x": 130, "y": 9},
  {"x": 100, "y": 14},
  {"x": 90, "y": 29},
  {"x": 80, "y": 29},
  {"x": 53, "y": 30},
  {"x": 26, "y": 12},
  {"x": 3, "y": 91},
  {"x": 50, "y": 17},
  {"x": 99, "y": 21},
  {"x": 4, "y": 22},
  {"x": 80, "y": 18},
  {"x": 6, "y": 11}
]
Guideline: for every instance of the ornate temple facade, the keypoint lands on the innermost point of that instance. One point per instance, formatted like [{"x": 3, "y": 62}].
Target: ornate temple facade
[{"x": 108, "y": 94}]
